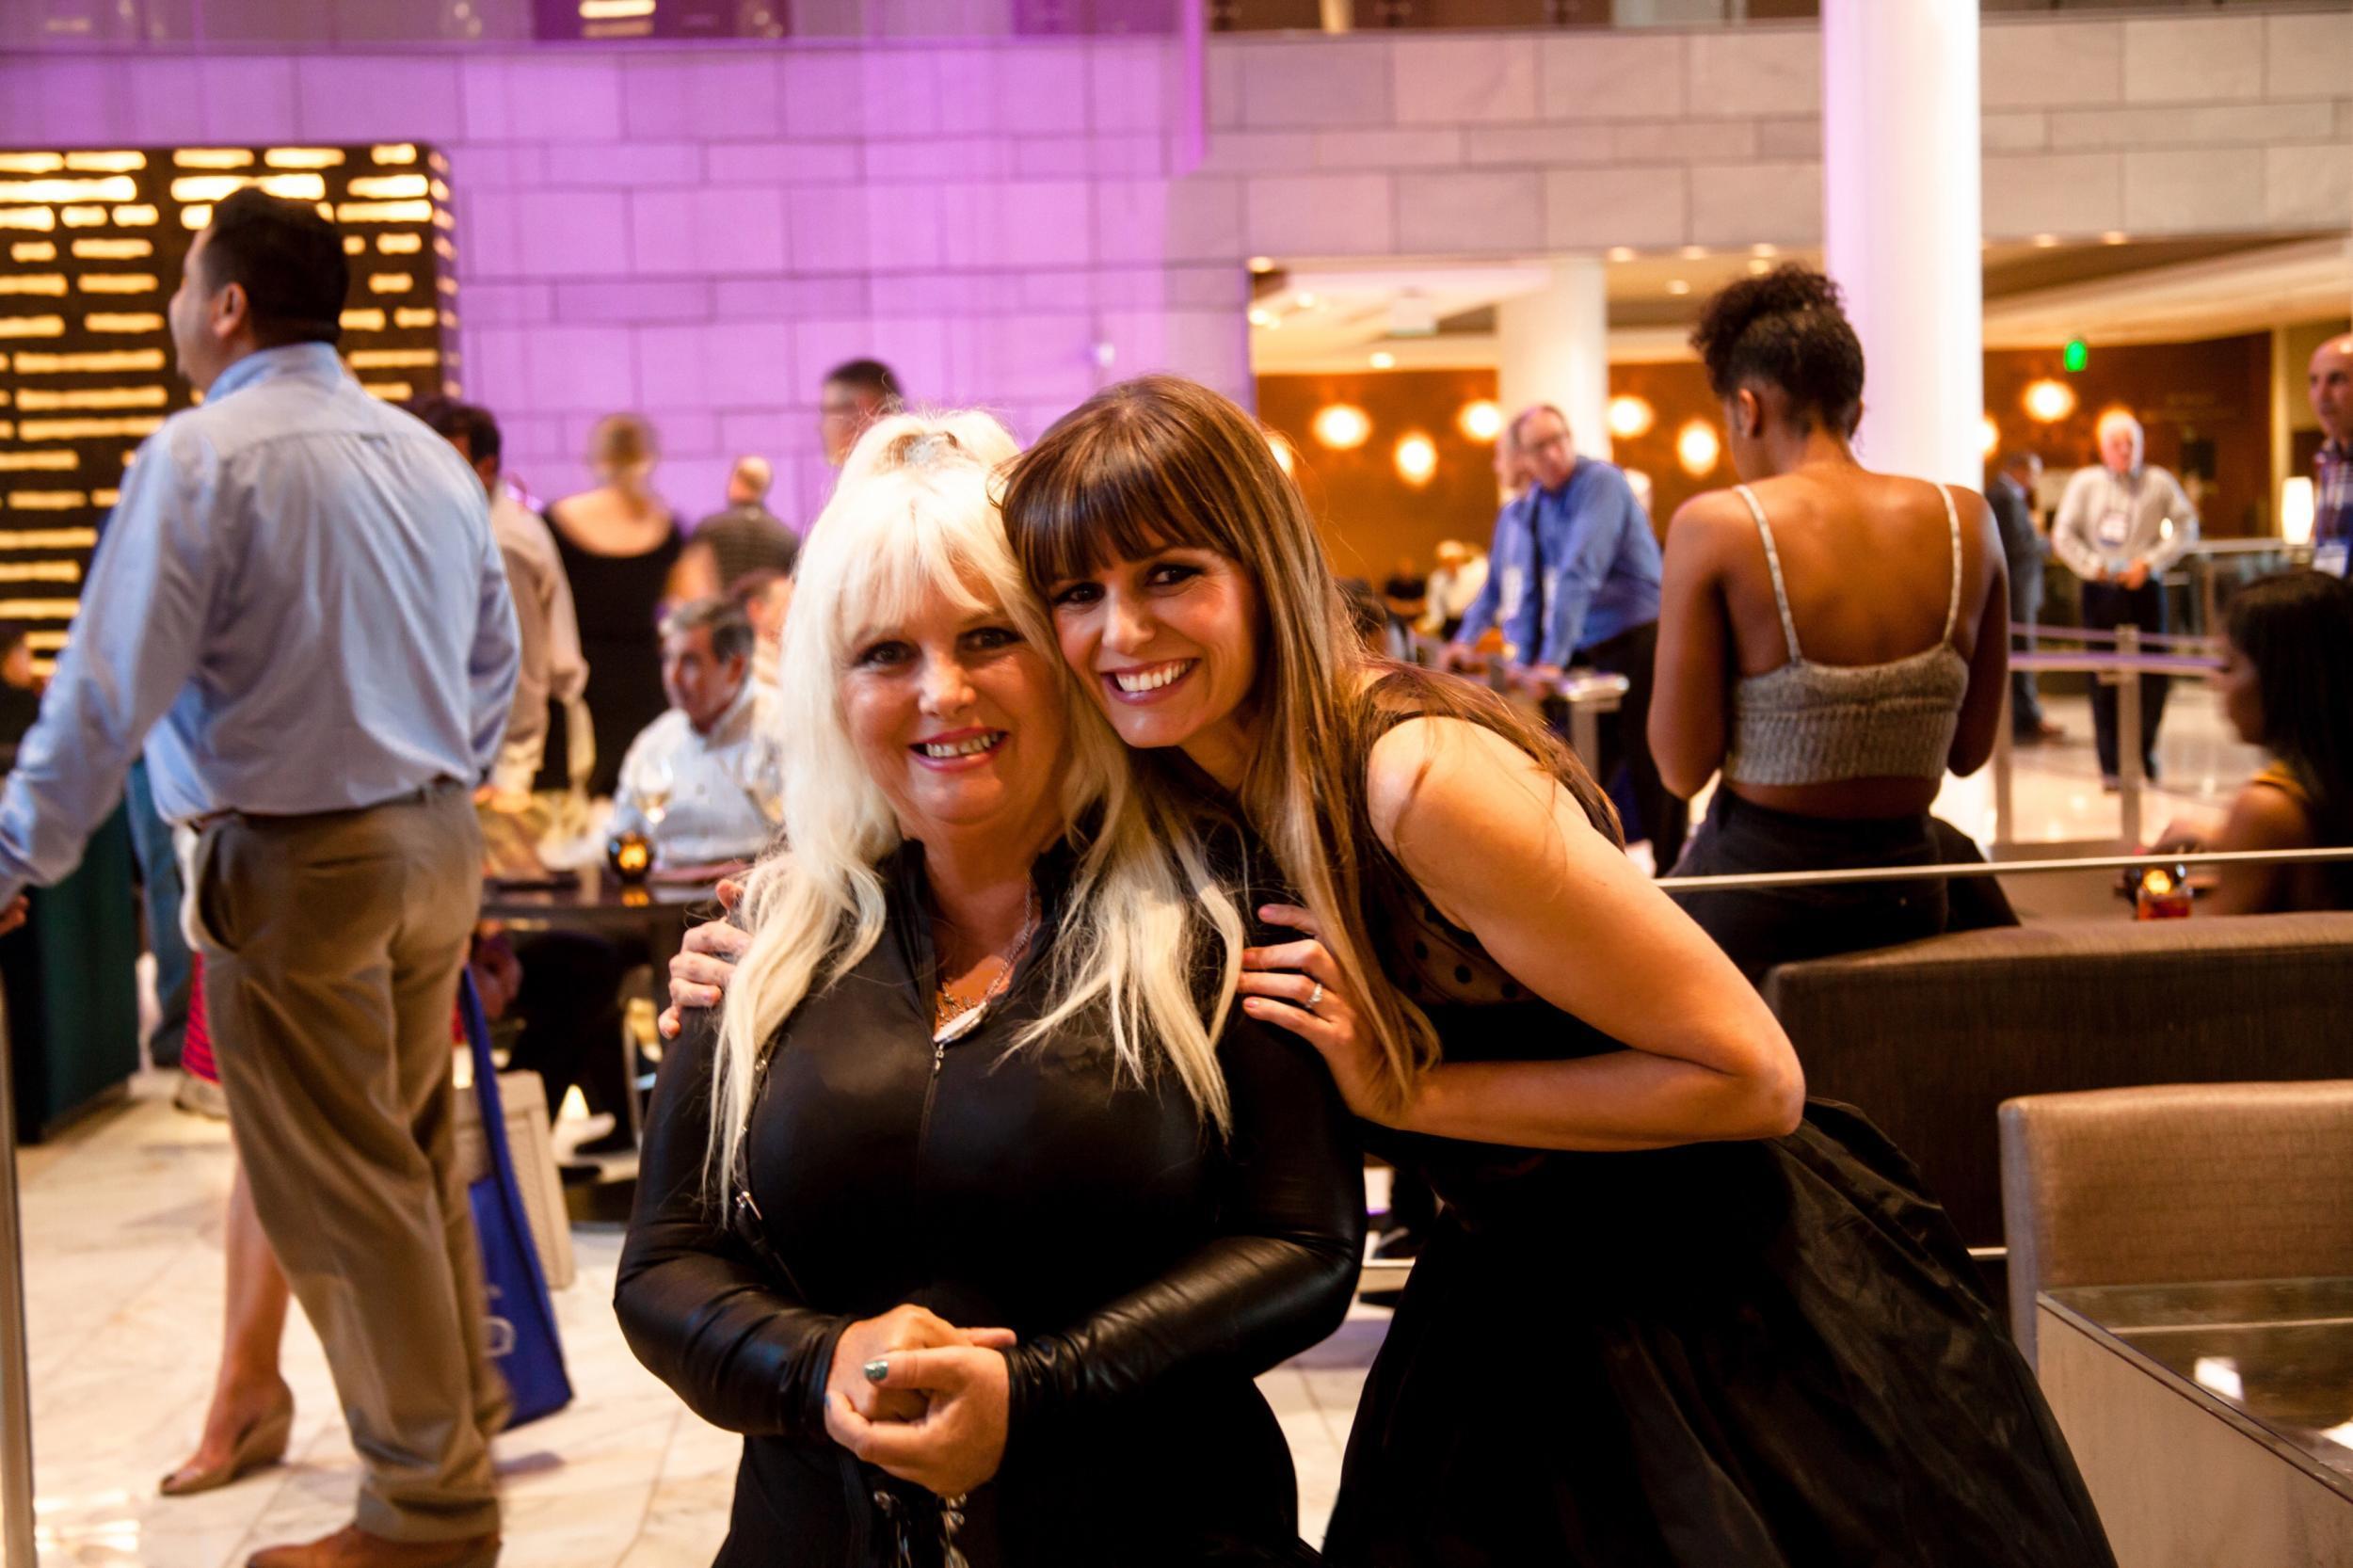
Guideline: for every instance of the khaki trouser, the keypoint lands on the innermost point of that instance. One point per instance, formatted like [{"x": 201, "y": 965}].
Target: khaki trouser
[{"x": 333, "y": 945}]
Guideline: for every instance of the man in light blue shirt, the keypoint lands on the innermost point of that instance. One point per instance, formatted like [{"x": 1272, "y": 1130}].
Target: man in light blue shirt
[
  {"x": 299, "y": 595},
  {"x": 1573, "y": 578}
]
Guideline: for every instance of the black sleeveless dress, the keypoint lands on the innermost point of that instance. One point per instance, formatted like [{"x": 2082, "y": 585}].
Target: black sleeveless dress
[
  {"x": 1762, "y": 1355},
  {"x": 618, "y": 599}
]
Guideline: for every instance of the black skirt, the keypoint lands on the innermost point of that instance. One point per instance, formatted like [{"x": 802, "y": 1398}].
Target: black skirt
[{"x": 1771, "y": 1355}]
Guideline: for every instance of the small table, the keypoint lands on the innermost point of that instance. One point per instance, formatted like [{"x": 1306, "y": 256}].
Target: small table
[
  {"x": 2213, "y": 1423},
  {"x": 594, "y": 899}
]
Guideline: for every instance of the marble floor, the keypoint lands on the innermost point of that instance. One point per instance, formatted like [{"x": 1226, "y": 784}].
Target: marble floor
[
  {"x": 124, "y": 1243},
  {"x": 123, "y": 1221}
]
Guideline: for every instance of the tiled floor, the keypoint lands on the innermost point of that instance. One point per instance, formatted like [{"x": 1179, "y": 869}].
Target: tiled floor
[{"x": 123, "y": 1272}]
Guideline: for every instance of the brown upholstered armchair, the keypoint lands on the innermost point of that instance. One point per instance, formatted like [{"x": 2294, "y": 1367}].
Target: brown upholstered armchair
[{"x": 2175, "y": 1183}]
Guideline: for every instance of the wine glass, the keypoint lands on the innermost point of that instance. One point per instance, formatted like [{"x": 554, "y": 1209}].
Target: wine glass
[{"x": 653, "y": 790}]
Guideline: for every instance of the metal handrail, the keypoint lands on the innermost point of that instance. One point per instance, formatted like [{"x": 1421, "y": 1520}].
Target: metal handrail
[
  {"x": 2041, "y": 630},
  {"x": 2117, "y": 665},
  {"x": 1959, "y": 869},
  {"x": 17, "y": 1547}
]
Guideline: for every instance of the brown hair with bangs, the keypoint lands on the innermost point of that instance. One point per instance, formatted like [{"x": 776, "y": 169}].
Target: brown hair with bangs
[{"x": 1161, "y": 462}]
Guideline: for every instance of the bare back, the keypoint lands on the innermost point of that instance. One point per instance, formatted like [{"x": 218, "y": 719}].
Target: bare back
[
  {"x": 610, "y": 522},
  {"x": 1868, "y": 564}
]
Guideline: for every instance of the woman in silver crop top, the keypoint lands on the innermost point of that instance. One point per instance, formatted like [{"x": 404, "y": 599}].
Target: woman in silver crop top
[{"x": 1832, "y": 640}]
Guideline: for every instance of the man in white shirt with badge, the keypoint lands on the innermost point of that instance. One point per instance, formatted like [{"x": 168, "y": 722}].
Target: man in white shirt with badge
[{"x": 2119, "y": 527}]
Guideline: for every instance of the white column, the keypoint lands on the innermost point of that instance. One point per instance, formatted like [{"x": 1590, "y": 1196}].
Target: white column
[
  {"x": 1555, "y": 349},
  {"x": 1902, "y": 225}
]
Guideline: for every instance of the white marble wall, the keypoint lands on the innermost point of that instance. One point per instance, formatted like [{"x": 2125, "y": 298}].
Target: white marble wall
[{"x": 2158, "y": 126}]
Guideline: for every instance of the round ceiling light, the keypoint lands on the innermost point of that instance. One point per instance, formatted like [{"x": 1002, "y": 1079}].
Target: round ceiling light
[
  {"x": 1989, "y": 436},
  {"x": 1630, "y": 416},
  {"x": 1417, "y": 459},
  {"x": 1481, "y": 419},
  {"x": 1341, "y": 426},
  {"x": 2048, "y": 401},
  {"x": 1697, "y": 448}
]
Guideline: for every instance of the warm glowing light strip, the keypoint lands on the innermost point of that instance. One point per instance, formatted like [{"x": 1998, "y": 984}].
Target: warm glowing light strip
[
  {"x": 115, "y": 362},
  {"x": 393, "y": 154},
  {"x": 390, "y": 391},
  {"x": 7, "y": 430},
  {"x": 415, "y": 316},
  {"x": 389, "y": 187},
  {"x": 384, "y": 212},
  {"x": 48, "y": 539},
  {"x": 119, "y": 283},
  {"x": 44, "y": 641},
  {"x": 106, "y": 162},
  {"x": 83, "y": 217},
  {"x": 197, "y": 217},
  {"x": 57, "y": 192},
  {"x": 212, "y": 157},
  {"x": 354, "y": 245},
  {"x": 394, "y": 359},
  {"x": 104, "y": 497},
  {"x": 35, "y": 401},
  {"x": 32, "y": 327},
  {"x": 38, "y": 609},
  {"x": 113, "y": 250},
  {"x": 50, "y": 284},
  {"x": 102, "y": 321},
  {"x": 138, "y": 216},
  {"x": 614, "y": 11},
  {"x": 400, "y": 245},
  {"x": 47, "y": 501},
  {"x": 304, "y": 158},
  {"x": 363, "y": 321},
  {"x": 214, "y": 187},
  {"x": 88, "y": 429},
  {"x": 33, "y": 250},
  {"x": 61, "y": 462},
  {"x": 40, "y": 219},
  {"x": 41, "y": 571},
  {"x": 30, "y": 163},
  {"x": 390, "y": 282}
]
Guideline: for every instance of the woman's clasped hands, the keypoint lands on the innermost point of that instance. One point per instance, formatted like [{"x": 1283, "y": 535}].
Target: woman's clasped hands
[{"x": 913, "y": 1395}]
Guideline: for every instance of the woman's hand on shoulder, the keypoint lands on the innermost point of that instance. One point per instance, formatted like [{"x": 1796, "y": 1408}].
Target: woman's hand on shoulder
[
  {"x": 701, "y": 971},
  {"x": 958, "y": 1441},
  {"x": 1297, "y": 986}
]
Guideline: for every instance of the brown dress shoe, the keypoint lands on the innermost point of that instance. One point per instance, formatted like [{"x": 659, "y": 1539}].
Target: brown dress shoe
[{"x": 353, "y": 1548}]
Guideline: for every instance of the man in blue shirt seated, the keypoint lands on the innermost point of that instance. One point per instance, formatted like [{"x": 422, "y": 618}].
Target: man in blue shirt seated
[
  {"x": 301, "y": 597},
  {"x": 1573, "y": 577}
]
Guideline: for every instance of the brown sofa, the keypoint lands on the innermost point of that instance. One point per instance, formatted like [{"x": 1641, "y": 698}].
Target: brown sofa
[{"x": 1930, "y": 1038}]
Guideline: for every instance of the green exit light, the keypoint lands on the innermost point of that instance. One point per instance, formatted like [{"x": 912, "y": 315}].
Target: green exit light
[{"x": 2077, "y": 357}]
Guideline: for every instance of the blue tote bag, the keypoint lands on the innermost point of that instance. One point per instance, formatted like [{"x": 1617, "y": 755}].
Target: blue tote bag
[{"x": 523, "y": 1342}]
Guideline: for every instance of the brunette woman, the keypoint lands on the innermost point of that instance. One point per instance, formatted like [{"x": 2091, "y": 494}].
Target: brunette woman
[
  {"x": 1831, "y": 640},
  {"x": 979, "y": 1213},
  {"x": 620, "y": 549},
  {"x": 2287, "y": 686}
]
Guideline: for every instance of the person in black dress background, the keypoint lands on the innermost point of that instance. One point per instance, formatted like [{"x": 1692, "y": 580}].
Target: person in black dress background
[
  {"x": 994, "y": 1227},
  {"x": 620, "y": 547}
]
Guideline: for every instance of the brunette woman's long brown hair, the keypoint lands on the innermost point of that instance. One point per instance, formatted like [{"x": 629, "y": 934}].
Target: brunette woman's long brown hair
[{"x": 1161, "y": 462}]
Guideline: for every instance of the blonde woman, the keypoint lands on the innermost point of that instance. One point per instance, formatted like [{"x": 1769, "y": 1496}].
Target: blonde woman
[
  {"x": 620, "y": 549},
  {"x": 980, "y": 1208}
]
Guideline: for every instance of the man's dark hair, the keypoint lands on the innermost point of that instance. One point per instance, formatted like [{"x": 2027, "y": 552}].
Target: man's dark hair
[
  {"x": 753, "y": 584},
  {"x": 2017, "y": 461},
  {"x": 873, "y": 378},
  {"x": 1787, "y": 329},
  {"x": 289, "y": 261},
  {"x": 451, "y": 419},
  {"x": 730, "y": 628}
]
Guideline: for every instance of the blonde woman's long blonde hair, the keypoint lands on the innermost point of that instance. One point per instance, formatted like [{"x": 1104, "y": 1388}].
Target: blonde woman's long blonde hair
[{"x": 1147, "y": 933}]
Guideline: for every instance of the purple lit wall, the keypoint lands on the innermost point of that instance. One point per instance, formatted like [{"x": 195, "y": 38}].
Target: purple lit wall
[{"x": 699, "y": 233}]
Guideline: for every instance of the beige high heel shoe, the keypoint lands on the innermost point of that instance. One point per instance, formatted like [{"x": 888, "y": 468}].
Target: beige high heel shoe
[{"x": 259, "y": 1446}]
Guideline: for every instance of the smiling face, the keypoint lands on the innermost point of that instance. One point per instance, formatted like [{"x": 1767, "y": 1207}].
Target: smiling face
[
  {"x": 957, "y": 719},
  {"x": 1167, "y": 644}
]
